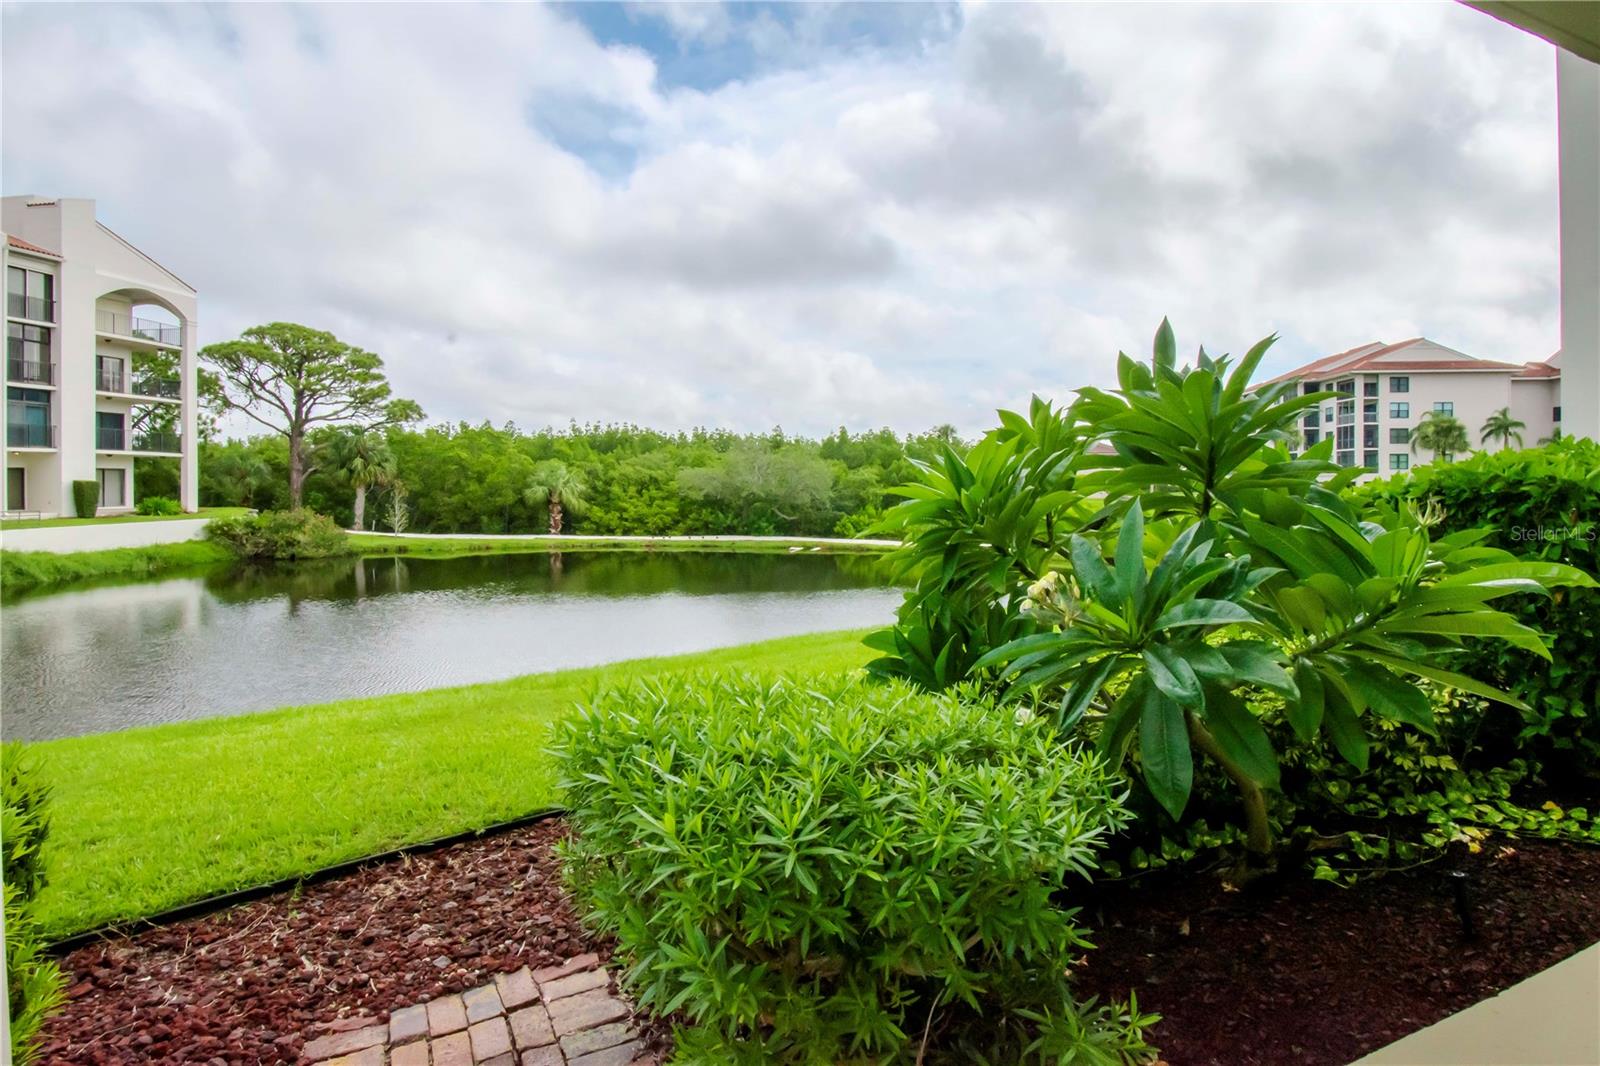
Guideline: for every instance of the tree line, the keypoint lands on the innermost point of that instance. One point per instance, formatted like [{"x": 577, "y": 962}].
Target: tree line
[{"x": 336, "y": 440}]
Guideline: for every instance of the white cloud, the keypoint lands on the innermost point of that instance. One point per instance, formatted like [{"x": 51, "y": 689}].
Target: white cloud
[{"x": 531, "y": 225}]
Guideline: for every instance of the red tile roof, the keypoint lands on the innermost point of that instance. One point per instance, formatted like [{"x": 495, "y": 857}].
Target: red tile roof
[
  {"x": 1371, "y": 358},
  {"x": 19, "y": 243},
  {"x": 1538, "y": 370}
]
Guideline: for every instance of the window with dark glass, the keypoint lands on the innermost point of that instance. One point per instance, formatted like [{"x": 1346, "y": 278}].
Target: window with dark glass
[
  {"x": 27, "y": 353},
  {"x": 1399, "y": 461},
  {"x": 1399, "y": 435},
  {"x": 1369, "y": 410},
  {"x": 30, "y": 294},
  {"x": 1445, "y": 407},
  {"x": 1556, "y": 413},
  {"x": 1399, "y": 410},
  {"x": 108, "y": 374},
  {"x": 1401, "y": 384},
  {"x": 1369, "y": 388},
  {"x": 28, "y": 418},
  {"x": 108, "y": 431},
  {"x": 1369, "y": 459}
]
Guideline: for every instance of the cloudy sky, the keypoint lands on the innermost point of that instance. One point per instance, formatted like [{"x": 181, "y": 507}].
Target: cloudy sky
[{"x": 810, "y": 215}]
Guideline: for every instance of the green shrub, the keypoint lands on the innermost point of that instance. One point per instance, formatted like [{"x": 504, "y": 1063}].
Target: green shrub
[
  {"x": 1539, "y": 503},
  {"x": 280, "y": 535},
  {"x": 85, "y": 498},
  {"x": 818, "y": 870},
  {"x": 35, "y": 984},
  {"x": 159, "y": 505}
]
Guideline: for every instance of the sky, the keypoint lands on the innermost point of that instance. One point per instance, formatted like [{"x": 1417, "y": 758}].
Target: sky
[{"x": 811, "y": 215}]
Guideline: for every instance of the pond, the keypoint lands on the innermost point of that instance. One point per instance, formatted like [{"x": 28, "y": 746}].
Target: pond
[{"x": 251, "y": 638}]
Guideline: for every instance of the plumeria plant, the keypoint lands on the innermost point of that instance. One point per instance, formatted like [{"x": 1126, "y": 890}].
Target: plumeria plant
[{"x": 1204, "y": 563}]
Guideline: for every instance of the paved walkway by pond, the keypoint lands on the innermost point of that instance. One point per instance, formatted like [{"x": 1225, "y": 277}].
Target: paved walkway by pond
[{"x": 560, "y": 1016}]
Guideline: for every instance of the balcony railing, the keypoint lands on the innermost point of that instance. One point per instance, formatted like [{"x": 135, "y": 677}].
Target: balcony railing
[
  {"x": 108, "y": 380},
  {"x": 162, "y": 388},
  {"x": 25, "y": 435},
  {"x": 33, "y": 371},
  {"x": 144, "y": 329},
  {"x": 156, "y": 441},
  {"x": 110, "y": 438},
  {"x": 35, "y": 307}
]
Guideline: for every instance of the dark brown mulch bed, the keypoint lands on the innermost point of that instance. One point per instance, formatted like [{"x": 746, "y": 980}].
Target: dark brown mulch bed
[
  {"x": 245, "y": 985},
  {"x": 1304, "y": 972},
  {"x": 1297, "y": 972}
]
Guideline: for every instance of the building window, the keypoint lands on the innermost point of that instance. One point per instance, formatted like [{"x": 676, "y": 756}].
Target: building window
[
  {"x": 16, "y": 488},
  {"x": 1399, "y": 461},
  {"x": 27, "y": 353},
  {"x": 1369, "y": 460},
  {"x": 108, "y": 435},
  {"x": 1348, "y": 387},
  {"x": 1555, "y": 413},
  {"x": 1369, "y": 388},
  {"x": 28, "y": 418},
  {"x": 1310, "y": 386},
  {"x": 1310, "y": 421},
  {"x": 1399, "y": 435},
  {"x": 1312, "y": 436},
  {"x": 1327, "y": 413},
  {"x": 1369, "y": 410},
  {"x": 1345, "y": 438},
  {"x": 1444, "y": 407},
  {"x": 30, "y": 294},
  {"x": 112, "y": 483},
  {"x": 1346, "y": 459},
  {"x": 1399, "y": 410},
  {"x": 108, "y": 374},
  {"x": 1369, "y": 436},
  {"x": 1399, "y": 384}
]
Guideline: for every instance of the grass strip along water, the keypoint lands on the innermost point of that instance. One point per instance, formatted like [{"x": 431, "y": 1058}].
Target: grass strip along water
[{"x": 145, "y": 820}]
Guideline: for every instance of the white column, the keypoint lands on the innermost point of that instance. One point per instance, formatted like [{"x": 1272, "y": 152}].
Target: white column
[
  {"x": 189, "y": 465},
  {"x": 1578, "y": 108}
]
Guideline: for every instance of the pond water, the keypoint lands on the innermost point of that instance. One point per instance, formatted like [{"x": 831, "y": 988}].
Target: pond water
[{"x": 247, "y": 639}]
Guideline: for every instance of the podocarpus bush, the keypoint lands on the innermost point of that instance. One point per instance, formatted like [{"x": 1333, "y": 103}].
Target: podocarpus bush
[
  {"x": 831, "y": 870},
  {"x": 1539, "y": 503},
  {"x": 85, "y": 498},
  {"x": 35, "y": 984},
  {"x": 280, "y": 535},
  {"x": 159, "y": 505}
]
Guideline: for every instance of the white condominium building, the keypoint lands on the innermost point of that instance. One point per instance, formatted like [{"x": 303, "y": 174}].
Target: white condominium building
[
  {"x": 100, "y": 360},
  {"x": 1386, "y": 389}
]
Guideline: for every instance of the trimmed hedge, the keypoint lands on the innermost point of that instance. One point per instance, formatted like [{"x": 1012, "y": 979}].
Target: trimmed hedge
[
  {"x": 159, "y": 505},
  {"x": 85, "y": 498},
  {"x": 1539, "y": 503},
  {"x": 36, "y": 986},
  {"x": 809, "y": 868}
]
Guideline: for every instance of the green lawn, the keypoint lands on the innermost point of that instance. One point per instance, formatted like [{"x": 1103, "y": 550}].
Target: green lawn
[
  {"x": 43, "y": 523},
  {"x": 147, "y": 819},
  {"x": 367, "y": 544}
]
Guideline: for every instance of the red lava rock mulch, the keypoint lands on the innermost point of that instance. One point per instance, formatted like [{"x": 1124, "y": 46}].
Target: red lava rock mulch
[
  {"x": 1310, "y": 974},
  {"x": 247, "y": 986}
]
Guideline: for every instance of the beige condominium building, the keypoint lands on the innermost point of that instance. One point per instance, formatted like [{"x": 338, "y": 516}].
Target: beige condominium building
[
  {"x": 100, "y": 360},
  {"x": 1385, "y": 390}
]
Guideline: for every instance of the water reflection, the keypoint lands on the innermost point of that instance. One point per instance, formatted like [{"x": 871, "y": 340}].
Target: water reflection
[{"x": 247, "y": 638}]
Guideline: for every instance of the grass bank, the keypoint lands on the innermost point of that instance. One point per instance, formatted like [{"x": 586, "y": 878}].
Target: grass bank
[
  {"x": 20, "y": 571},
  {"x": 445, "y": 547},
  {"x": 147, "y": 819},
  {"x": 50, "y": 523}
]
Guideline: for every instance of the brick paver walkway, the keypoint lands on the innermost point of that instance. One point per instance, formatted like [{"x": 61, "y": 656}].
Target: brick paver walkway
[{"x": 561, "y": 1016}]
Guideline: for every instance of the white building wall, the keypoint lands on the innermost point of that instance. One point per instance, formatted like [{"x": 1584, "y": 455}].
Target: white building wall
[{"x": 1578, "y": 108}]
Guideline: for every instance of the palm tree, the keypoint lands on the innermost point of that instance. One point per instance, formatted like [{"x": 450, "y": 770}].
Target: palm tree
[
  {"x": 241, "y": 475},
  {"x": 1502, "y": 427},
  {"x": 366, "y": 461},
  {"x": 558, "y": 487},
  {"x": 1442, "y": 434}
]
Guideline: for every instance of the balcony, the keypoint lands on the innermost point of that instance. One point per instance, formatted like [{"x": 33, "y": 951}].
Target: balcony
[
  {"x": 24, "y": 435},
  {"x": 36, "y": 308},
  {"x": 159, "y": 388},
  {"x": 143, "y": 329},
  {"x": 31, "y": 371},
  {"x": 157, "y": 441},
  {"x": 108, "y": 380},
  {"x": 110, "y": 439}
]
